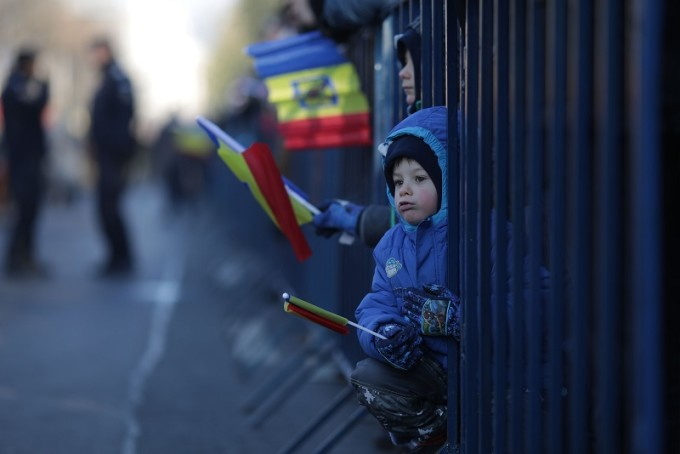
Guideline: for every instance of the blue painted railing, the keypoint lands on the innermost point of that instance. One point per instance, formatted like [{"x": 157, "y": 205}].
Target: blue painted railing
[{"x": 559, "y": 135}]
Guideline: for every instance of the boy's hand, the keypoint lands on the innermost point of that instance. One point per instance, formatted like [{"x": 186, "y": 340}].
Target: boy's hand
[
  {"x": 402, "y": 346},
  {"x": 337, "y": 215},
  {"x": 434, "y": 310}
]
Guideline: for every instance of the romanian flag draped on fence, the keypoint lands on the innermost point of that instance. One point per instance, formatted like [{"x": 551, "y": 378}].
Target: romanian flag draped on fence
[
  {"x": 316, "y": 91},
  {"x": 256, "y": 168}
]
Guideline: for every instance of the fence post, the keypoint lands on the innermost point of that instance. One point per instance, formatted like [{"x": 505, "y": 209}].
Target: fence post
[
  {"x": 646, "y": 298},
  {"x": 453, "y": 103},
  {"x": 502, "y": 140}
]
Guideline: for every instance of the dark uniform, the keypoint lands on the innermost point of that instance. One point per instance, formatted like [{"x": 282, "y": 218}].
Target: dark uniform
[
  {"x": 113, "y": 145},
  {"x": 23, "y": 101}
]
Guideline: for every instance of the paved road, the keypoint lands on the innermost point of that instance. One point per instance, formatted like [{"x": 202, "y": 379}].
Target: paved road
[{"x": 189, "y": 355}]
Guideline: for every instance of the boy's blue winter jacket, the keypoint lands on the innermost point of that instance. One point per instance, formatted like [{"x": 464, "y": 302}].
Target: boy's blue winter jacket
[{"x": 409, "y": 255}]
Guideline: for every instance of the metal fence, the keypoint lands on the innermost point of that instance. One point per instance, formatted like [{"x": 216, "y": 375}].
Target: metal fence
[
  {"x": 555, "y": 136},
  {"x": 559, "y": 143}
]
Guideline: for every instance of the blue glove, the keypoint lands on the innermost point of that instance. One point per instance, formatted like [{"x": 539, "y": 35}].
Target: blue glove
[
  {"x": 402, "y": 346},
  {"x": 337, "y": 215},
  {"x": 435, "y": 311}
]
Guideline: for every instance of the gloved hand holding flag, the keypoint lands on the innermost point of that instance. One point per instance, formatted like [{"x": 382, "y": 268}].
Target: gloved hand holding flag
[
  {"x": 255, "y": 167},
  {"x": 321, "y": 316}
]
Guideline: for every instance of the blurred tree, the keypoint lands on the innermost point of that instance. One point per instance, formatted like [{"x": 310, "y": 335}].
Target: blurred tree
[{"x": 247, "y": 22}]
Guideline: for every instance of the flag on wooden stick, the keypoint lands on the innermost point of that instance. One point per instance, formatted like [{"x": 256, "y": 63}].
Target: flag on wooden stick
[{"x": 330, "y": 320}]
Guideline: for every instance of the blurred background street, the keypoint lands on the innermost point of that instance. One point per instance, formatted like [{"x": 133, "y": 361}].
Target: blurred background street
[
  {"x": 176, "y": 358},
  {"x": 191, "y": 351}
]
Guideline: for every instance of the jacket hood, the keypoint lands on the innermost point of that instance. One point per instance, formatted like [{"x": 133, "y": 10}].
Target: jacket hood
[{"x": 430, "y": 125}]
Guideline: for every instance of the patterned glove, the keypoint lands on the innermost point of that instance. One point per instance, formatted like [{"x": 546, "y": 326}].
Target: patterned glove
[
  {"x": 337, "y": 215},
  {"x": 402, "y": 346},
  {"x": 434, "y": 310}
]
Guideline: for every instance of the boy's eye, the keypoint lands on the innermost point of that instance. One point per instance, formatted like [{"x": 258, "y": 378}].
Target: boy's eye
[
  {"x": 398, "y": 182},
  {"x": 420, "y": 178}
]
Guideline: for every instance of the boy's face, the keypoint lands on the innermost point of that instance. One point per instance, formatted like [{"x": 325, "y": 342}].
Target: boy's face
[
  {"x": 415, "y": 195},
  {"x": 408, "y": 79}
]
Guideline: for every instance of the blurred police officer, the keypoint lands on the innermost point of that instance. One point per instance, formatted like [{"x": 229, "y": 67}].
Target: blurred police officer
[
  {"x": 113, "y": 145},
  {"x": 24, "y": 99}
]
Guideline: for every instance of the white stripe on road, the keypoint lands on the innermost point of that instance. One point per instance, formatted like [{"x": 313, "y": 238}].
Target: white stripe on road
[{"x": 165, "y": 297}]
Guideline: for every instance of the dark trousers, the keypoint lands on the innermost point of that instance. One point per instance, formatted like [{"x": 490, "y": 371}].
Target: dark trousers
[
  {"x": 410, "y": 405},
  {"x": 112, "y": 181},
  {"x": 26, "y": 185}
]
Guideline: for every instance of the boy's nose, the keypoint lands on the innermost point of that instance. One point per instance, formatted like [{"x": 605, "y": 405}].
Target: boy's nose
[{"x": 404, "y": 189}]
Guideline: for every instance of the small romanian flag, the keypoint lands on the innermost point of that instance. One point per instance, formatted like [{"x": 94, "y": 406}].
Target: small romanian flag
[
  {"x": 191, "y": 141},
  {"x": 316, "y": 91},
  {"x": 256, "y": 168},
  {"x": 327, "y": 319}
]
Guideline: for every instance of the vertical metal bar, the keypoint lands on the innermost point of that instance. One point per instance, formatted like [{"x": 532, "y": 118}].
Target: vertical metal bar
[
  {"x": 386, "y": 94},
  {"x": 609, "y": 227},
  {"x": 580, "y": 263},
  {"x": 470, "y": 291},
  {"x": 438, "y": 67},
  {"x": 517, "y": 144},
  {"x": 414, "y": 9},
  {"x": 452, "y": 90},
  {"x": 401, "y": 20},
  {"x": 646, "y": 272},
  {"x": 536, "y": 160},
  {"x": 484, "y": 249},
  {"x": 500, "y": 308},
  {"x": 427, "y": 40},
  {"x": 557, "y": 236}
]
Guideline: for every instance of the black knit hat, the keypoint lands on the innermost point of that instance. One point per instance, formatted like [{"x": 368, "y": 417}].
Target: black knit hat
[{"x": 412, "y": 147}]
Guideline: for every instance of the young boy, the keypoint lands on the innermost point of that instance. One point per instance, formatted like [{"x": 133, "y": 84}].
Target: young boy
[{"x": 403, "y": 381}]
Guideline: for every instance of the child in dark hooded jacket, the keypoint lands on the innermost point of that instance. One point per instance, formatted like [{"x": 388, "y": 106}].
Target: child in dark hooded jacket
[{"x": 403, "y": 382}]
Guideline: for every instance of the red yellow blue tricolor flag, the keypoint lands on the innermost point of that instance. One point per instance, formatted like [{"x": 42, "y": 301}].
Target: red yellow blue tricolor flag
[
  {"x": 256, "y": 168},
  {"x": 316, "y": 92},
  {"x": 327, "y": 319}
]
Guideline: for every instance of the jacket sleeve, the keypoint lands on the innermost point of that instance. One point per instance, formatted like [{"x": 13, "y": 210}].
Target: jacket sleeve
[
  {"x": 377, "y": 308},
  {"x": 374, "y": 221},
  {"x": 353, "y": 14},
  {"x": 341, "y": 18}
]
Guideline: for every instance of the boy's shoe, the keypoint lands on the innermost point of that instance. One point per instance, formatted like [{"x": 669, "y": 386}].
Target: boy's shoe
[{"x": 435, "y": 444}]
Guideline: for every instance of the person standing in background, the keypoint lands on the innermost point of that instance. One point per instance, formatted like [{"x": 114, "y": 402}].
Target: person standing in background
[
  {"x": 24, "y": 99},
  {"x": 113, "y": 145}
]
